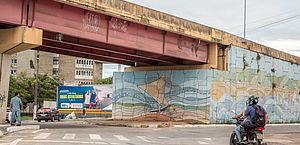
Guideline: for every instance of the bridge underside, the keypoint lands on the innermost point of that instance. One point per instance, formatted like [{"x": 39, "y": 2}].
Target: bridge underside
[{"x": 80, "y": 47}]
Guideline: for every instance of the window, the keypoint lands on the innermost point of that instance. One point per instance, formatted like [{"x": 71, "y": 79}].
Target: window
[
  {"x": 55, "y": 62},
  {"x": 13, "y": 72},
  {"x": 55, "y": 71},
  {"x": 14, "y": 62}
]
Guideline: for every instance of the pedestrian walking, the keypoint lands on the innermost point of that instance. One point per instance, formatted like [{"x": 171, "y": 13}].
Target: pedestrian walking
[{"x": 15, "y": 107}]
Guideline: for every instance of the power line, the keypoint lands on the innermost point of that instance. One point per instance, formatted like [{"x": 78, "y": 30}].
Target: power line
[
  {"x": 285, "y": 20},
  {"x": 264, "y": 19}
]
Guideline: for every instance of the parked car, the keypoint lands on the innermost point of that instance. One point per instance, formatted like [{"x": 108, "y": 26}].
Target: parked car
[{"x": 48, "y": 114}]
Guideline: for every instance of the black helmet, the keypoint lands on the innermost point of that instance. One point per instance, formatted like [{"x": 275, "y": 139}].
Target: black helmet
[{"x": 252, "y": 100}]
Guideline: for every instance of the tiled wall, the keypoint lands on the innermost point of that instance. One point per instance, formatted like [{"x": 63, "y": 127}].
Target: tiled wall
[
  {"x": 163, "y": 95},
  {"x": 210, "y": 96},
  {"x": 276, "y": 82}
]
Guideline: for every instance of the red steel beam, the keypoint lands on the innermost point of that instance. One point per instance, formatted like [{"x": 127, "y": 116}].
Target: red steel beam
[
  {"x": 82, "y": 48},
  {"x": 102, "y": 34},
  {"x": 83, "y": 54},
  {"x": 69, "y": 40},
  {"x": 129, "y": 36}
]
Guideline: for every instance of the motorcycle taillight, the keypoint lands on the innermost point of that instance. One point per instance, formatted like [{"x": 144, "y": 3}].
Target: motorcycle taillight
[{"x": 260, "y": 129}]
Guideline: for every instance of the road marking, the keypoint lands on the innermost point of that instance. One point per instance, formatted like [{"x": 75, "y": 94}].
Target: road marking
[
  {"x": 69, "y": 136},
  {"x": 209, "y": 139},
  {"x": 277, "y": 140},
  {"x": 42, "y": 136},
  {"x": 200, "y": 142},
  {"x": 95, "y": 136},
  {"x": 15, "y": 142},
  {"x": 163, "y": 137},
  {"x": 144, "y": 138},
  {"x": 63, "y": 141},
  {"x": 36, "y": 131},
  {"x": 121, "y": 137}
]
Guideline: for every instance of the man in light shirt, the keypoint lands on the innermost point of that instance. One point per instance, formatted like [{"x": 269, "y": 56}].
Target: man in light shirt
[{"x": 15, "y": 108}]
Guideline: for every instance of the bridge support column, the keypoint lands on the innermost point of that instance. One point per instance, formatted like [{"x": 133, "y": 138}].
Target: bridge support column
[
  {"x": 13, "y": 40},
  {"x": 5, "y": 61}
]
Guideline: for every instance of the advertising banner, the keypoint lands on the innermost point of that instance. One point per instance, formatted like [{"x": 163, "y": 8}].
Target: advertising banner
[{"x": 90, "y": 99}]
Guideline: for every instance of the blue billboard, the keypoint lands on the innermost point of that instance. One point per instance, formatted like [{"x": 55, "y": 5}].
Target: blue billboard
[
  {"x": 73, "y": 97},
  {"x": 93, "y": 99}
]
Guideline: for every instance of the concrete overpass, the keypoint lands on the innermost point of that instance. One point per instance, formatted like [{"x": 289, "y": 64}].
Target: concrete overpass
[{"x": 115, "y": 31}]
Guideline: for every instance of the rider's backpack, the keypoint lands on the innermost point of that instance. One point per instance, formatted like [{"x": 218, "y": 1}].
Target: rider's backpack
[{"x": 259, "y": 117}]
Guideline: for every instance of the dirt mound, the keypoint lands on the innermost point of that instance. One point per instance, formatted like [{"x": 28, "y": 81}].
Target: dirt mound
[{"x": 152, "y": 117}]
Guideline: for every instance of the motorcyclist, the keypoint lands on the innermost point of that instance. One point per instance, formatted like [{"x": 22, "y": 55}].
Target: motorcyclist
[{"x": 248, "y": 114}]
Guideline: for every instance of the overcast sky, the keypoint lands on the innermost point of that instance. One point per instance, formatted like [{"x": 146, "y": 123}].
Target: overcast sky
[{"x": 275, "y": 23}]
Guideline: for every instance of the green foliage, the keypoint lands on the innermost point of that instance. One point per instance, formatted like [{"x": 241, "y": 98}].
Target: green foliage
[
  {"x": 26, "y": 86},
  {"x": 104, "y": 81}
]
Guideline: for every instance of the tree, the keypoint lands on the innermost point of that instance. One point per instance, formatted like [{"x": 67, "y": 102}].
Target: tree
[
  {"x": 26, "y": 86},
  {"x": 104, "y": 81}
]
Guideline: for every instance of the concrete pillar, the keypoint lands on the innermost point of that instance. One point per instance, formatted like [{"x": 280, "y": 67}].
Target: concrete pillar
[
  {"x": 5, "y": 61},
  {"x": 13, "y": 40},
  {"x": 213, "y": 55}
]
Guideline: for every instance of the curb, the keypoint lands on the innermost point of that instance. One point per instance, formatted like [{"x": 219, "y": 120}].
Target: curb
[
  {"x": 225, "y": 125},
  {"x": 145, "y": 126},
  {"x": 19, "y": 128},
  {"x": 203, "y": 125},
  {"x": 135, "y": 125}
]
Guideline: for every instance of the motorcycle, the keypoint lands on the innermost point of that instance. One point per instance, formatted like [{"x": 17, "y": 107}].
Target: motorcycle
[{"x": 250, "y": 136}]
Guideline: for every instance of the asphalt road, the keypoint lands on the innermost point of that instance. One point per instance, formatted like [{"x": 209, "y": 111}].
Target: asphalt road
[{"x": 68, "y": 133}]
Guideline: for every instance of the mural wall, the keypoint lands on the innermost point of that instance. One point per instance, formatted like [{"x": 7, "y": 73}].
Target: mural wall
[
  {"x": 162, "y": 95},
  {"x": 210, "y": 96},
  {"x": 276, "y": 82}
]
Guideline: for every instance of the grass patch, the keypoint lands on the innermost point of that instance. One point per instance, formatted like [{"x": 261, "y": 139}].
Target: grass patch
[{"x": 26, "y": 118}]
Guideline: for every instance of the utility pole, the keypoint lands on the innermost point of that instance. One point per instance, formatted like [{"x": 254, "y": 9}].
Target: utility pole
[
  {"x": 245, "y": 10},
  {"x": 36, "y": 58}
]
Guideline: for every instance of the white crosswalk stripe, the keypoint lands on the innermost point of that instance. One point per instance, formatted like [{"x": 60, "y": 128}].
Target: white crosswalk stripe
[
  {"x": 120, "y": 137},
  {"x": 69, "y": 136},
  {"x": 42, "y": 136},
  {"x": 209, "y": 139},
  {"x": 163, "y": 137},
  {"x": 201, "y": 142},
  {"x": 144, "y": 138},
  {"x": 95, "y": 136}
]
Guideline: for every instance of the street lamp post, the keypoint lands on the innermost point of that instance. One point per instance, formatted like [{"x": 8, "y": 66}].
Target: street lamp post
[
  {"x": 245, "y": 10},
  {"x": 36, "y": 84}
]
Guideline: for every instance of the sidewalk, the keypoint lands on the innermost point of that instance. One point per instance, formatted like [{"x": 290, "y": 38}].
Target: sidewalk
[{"x": 5, "y": 129}]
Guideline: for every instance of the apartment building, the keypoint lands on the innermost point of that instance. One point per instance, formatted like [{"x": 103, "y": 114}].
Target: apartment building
[{"x": 71, "y": 70}]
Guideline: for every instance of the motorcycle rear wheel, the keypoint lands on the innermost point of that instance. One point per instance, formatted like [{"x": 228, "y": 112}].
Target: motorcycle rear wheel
[
  {"x": 256, "y": 141},
  {"x": 233, "y": 139}
]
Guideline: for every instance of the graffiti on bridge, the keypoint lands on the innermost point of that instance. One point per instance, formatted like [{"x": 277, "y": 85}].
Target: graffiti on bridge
[{"x": 91, "y": 22}]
